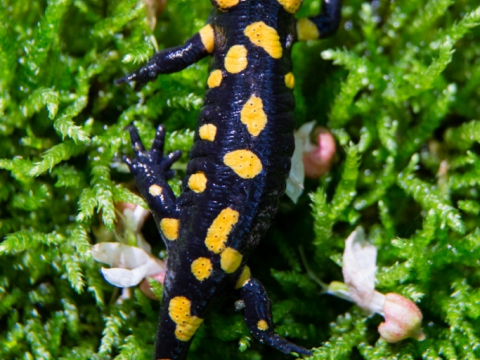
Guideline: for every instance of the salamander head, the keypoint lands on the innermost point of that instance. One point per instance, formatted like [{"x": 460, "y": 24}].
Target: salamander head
[{"x": 291, "y": 6}]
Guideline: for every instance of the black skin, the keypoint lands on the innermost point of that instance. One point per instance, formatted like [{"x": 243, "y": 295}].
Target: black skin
[{"x": 255, "y": 199}]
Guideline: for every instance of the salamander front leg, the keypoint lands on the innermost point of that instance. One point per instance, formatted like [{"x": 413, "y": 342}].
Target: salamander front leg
[
  {"x": 323, "y": 25},
  {"x": 151, "y": 170},
  {"x": 174, "y": 59},
  {"x": 258, "y": 316}
]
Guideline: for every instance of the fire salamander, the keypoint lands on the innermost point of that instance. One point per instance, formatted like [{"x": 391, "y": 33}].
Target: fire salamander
[{"x": 238, "y": 163}]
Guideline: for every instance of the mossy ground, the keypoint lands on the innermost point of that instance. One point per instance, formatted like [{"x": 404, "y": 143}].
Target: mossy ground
[{"x": 399, "y": 86}]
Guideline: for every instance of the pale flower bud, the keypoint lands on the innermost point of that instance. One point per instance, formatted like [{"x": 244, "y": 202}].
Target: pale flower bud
[
  {"x": 318, "y": 159},
  {"x": 402, "y": 319}
]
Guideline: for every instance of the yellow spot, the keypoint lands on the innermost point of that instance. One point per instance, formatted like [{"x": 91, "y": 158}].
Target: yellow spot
[
  {"x": 202, "y": 268},
  {"x": 169, "y": 228},
  {"x": 245, "y": 163},
  {"x": 243, "y": 278},
  {"x": 179, "y": 311},
  {"x": 155, "y": 190},
  {"x": 253, "y": 116},
  {"x": 262, "y": 325},
  {"x": 226, "y": 4},
  {"x": 218, "y": 232},
  {"x": 266, "y": 37},
  {"x": 207, "y": 132},
  {"x": 208, "y": 37},
  {"x": 307, "y": 30},
  {"x": 215, "y": 79},
  {"x": 236, "y": 59},
  {"x": 291, "y": 6},
  {"x": 230, "y": 260},
  {"x": 290, "y": 80},
  {"x": 197, "y": 182}
]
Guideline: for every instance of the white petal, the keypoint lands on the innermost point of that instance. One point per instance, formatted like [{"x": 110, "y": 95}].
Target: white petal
[
  {"x": 304, "y": 134},
  {"x": 294, "y": 189},
  {"x": 119, "y": 255},
  {"x": 359, "y": 268},
  {"x": 297, "y": 171},
  {"x": 124, "y": 277},
  {"x": 135, "y": 218},
  {"x": 377, "y": 303}
]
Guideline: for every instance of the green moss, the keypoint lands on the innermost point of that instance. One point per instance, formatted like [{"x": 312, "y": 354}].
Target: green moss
[{"x": 399, "y": 86}]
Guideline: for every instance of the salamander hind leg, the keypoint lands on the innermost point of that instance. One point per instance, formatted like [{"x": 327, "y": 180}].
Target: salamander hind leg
[
  {"x": 151, "y": 170},
  {"x": 258, "y": 316}
]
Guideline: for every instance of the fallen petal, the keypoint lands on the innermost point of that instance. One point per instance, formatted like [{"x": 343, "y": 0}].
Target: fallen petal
[
  {"x": 131, "y": 277},
  {"x": 296, "y": 177},
  {"x": 311, "y": 160},
  {"x": 119, "y": 255},
  {"x": 129, "y": 264},
  {"x": 124, "y": 277},
  {"x": 131, "y": 220},
  {"x": 135, "y": 215},
  {"x": 359, "y": 268}
]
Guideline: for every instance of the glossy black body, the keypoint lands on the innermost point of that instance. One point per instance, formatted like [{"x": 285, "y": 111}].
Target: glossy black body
[{"x": 255, "y": 199}]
